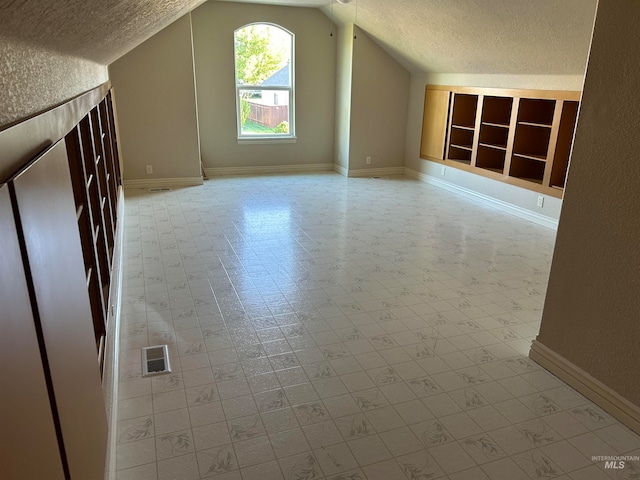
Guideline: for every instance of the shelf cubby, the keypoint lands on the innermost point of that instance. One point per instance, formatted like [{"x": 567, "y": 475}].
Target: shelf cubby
[
  {"x": 527, "y": 169},
  {"x": 462, "y": 137},
  {"x": 532, "y": 141},
  {"x": 464, "y": 110},
  {"x": 497, "y": 110},
  {"x": 536, "y": 111},
  {"x": 491, "y": 158},
  {"x": 460, "y": 154},
  {"x": 492, "y": 135},
  {"x": 462, "y": 129}
]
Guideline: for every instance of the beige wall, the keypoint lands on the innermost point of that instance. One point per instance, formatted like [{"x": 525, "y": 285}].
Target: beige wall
[
  {"x": 33, "y": 79},
  {"x": 379, "y": 102},
  {"x": 213, "y": 27},
  {"x": 344, "y": 68},
  {"x": 591, "y": 314},
  {"x": 519, "y": 197},
  {"x": 155, "y": 94}
]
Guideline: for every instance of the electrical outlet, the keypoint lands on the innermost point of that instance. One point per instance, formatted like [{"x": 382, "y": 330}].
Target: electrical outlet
[
  {"x": 540, "y": 201},
  {"x": 443, "y": 170},
  {"x": 368, "y": 160},
  {"x": 149, "y": 170}
]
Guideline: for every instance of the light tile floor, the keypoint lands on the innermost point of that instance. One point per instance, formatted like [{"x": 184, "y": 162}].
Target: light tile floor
[{"x": 347, "y": 329}]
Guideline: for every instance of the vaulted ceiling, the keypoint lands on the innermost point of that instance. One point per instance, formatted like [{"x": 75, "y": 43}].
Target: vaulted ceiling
[
  {"x": 98, "y": 30},
  {"x": 445, "y": 36}
]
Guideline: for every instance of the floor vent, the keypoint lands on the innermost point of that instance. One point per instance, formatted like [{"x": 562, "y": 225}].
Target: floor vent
[
  {"x": 159, "y": 189},
  {"x": 155, "y": 360}
]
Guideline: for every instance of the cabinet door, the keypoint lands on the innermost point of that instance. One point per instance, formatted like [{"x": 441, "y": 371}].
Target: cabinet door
[
  {"x": 44, "y": 198},
  {"x": 434, "y": 123},
  {"x": 28, "y": 442}
]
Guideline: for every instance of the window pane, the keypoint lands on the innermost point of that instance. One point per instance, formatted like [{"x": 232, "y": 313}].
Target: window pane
[
  {"x": 264, "y": 80},
  {"x": 264, "y": 112},
  {"x": 263, "y": 55}
]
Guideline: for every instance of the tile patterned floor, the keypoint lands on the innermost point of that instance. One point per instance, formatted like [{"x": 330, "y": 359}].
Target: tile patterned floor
[{"x": 343, "y": 329}]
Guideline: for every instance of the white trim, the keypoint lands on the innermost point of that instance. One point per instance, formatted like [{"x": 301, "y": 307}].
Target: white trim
[
  {"x": 290, "y": 88},
  {"x": 254, "y": 170},
  {"x": 590, "y": 387},
  {"x": 195, "y": 89},
  {"x": 543, "y": 220},
  {"x": 341, "y": 170},
  {"x": 376, "y": 172},
  {"x": 270, "y": 140},
  {"x": 110, "y": 379},
  {"x": 164, "y": 182}
]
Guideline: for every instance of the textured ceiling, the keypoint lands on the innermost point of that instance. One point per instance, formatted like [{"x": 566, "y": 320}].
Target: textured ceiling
[
  {"x": 446, "y": 36},
  {"x": 480, "y": 36},
  {"x": 97, "y": 30}
]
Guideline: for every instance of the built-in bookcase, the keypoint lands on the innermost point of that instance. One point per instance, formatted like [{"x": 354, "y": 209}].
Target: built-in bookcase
[
  {"x": 95, "y": 174},
  {"x": 59, "y": 189},
  {"x": 522, "y": 137}
]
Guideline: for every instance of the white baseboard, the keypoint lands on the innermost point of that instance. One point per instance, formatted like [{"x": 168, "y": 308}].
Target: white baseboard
[
  {"x": 164, "y": 182},
  {"x": 301, "y": 168},
  {"x": 590, "y": 387},
  {"x": 506, "y": 207},
  {"x": 110, "y": 373},
  {"x": 341, "y": 170},
  {"x": 376, "y": 172}
]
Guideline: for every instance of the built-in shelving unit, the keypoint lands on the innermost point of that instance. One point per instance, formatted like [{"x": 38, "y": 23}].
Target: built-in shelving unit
[
  {"x": 522, "y": 137},
  {"x": 54, "y": 272},
  {"x": 95, "y": 175}
]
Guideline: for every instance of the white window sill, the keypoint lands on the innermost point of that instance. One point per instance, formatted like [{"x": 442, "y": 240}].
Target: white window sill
[{"x": 265, "y": 140}]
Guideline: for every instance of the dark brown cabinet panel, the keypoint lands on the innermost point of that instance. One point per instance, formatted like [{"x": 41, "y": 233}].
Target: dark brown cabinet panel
[
  {"x": 49, "y": 226},
  {"x": 26, "y": 415},
  {"x": 60, "y": 183}
]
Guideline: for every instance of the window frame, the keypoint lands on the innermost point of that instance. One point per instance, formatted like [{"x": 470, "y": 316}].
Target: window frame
[{"x": 274, "y": 137}]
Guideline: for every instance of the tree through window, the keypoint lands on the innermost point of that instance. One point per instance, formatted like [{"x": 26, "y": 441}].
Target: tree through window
[{"x": 264, "y": 81}]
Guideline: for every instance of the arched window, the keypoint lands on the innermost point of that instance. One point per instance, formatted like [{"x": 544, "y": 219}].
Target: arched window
[{"x": 264, "y": 56}]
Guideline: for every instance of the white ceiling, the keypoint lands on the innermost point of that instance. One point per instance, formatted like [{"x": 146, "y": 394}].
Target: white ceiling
[{"x": 444, "y": 36}]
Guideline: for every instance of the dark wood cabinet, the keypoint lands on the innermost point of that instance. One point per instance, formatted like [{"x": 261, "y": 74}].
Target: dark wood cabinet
[
  {"x": 48, "y": 223},
  {"x": 95, "y": 175},
  {"x": 58, "y": 233},
  {"x": 25, "y": 406}
]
